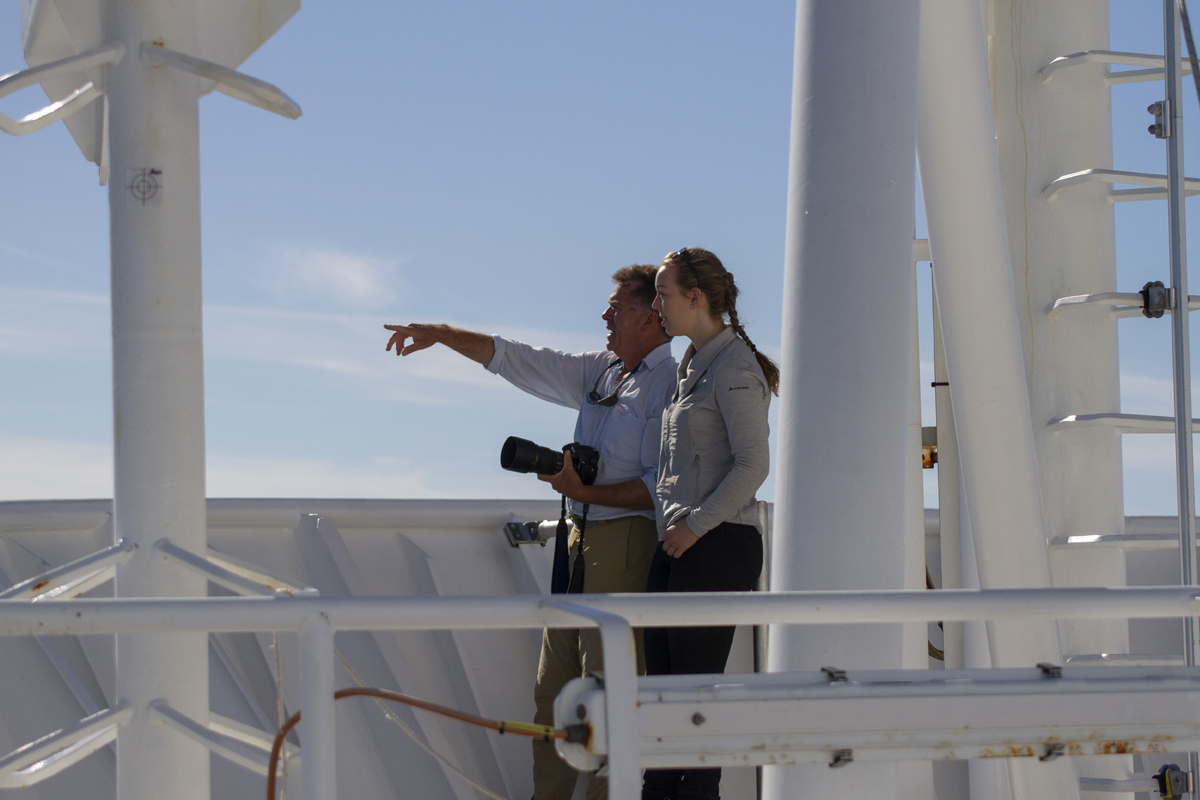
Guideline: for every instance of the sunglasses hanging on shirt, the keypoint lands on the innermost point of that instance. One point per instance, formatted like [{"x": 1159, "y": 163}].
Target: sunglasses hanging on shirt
[{"x": 611, "y": 398}]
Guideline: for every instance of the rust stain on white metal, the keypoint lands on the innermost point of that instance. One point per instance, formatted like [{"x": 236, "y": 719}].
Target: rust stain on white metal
[{"x": 1012, "y": 751}]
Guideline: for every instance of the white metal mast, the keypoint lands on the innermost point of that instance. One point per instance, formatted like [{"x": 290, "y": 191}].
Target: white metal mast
[
  {"x": 841, "y": 471},
  {"x": 148, "y": 63},
  {"x": 158, "y": 390}
]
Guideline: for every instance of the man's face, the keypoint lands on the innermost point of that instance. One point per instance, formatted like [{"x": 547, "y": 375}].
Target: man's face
[{"x": 622, "y": 318}]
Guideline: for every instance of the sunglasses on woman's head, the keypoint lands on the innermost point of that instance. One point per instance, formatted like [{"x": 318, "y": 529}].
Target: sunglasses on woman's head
[{"x": 687, "y": 259}]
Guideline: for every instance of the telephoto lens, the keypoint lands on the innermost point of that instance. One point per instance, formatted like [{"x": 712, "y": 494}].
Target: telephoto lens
[{"x": 522, "y": 455}]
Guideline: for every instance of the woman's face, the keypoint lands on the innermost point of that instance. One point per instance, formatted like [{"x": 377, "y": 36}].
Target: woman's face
[{"x": 676, "y": 308}]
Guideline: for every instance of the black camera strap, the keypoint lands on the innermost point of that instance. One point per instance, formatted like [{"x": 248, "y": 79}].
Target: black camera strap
[
  {"x": 560, "y": 578},
  {"x": 576, "y": 585}
]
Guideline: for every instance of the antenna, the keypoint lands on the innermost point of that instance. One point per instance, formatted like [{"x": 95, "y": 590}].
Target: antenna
[{"x": 126, "y": 79}]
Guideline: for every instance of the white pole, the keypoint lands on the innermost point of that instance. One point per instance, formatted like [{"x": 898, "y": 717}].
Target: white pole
[
  {"x": 317, "y": 717},
  {"x": 915, "y": 778},
  {"x": 968, "y": 239},
  {"x": 158, "y": 394},
  {"x": 960, "y": 179},
  {"x": 1180, "y": 336},
  {"x": 841, "y": 474},
  {"x": 949, "y": 533}
]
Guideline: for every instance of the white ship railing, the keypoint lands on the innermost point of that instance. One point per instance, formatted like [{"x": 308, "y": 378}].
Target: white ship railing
[{"x": 316, "y": 619}]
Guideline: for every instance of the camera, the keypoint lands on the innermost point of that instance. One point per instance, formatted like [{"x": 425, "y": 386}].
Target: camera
[{"x": 522, "y": 455}]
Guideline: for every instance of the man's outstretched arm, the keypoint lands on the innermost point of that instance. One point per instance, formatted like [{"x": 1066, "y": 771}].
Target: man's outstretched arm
[{"x": 478, "y": 347}]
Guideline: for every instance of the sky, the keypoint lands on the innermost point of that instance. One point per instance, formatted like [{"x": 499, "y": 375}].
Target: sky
[{"x": 488, "y": 165}]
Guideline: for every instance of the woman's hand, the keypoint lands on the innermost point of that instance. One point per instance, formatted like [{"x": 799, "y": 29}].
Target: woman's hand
[{"x": 679, "y": 538}]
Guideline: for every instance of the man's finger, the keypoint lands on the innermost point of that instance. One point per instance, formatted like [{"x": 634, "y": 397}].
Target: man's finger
[{"x": 414, "y": 347}]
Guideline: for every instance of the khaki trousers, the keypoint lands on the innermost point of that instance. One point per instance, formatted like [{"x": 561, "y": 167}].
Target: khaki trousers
[{"x": 617, "y": 556}]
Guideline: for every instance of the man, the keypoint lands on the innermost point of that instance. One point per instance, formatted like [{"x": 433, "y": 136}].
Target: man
[{"x": 620, "y": 393}]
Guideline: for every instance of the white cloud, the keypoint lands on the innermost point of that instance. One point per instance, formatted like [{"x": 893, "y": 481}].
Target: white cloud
[
  {"x": 348, "y": 344},
  {"x": 65, "y": 325},
  {"x": 28, "y": 255},
  {"x": 53, "y": 324},
  {"x": 47, "y": 469},
  {"x": 306, "y": 477},
  {"x": 348, "y": 279}
]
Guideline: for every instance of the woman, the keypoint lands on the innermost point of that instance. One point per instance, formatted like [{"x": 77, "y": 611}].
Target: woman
[{"x": 712, "y": 458}]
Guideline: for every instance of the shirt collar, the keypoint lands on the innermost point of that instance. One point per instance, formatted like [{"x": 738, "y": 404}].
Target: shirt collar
[
  {"x": 702, "y": 358},
  {"x": 652, "y": 359},
  {"x": 657, "y": 356}
]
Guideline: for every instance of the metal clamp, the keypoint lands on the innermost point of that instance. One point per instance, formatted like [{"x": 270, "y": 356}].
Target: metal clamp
[
  {"x": 1156, "y": 299},
  {"x": 1162, "y": 119},
  {"x": 835, "y": 676},
  {"x": 1050, "y": 670},
  {"x": 1172, "y": 782},
  {"x": 841, "y": 757}
]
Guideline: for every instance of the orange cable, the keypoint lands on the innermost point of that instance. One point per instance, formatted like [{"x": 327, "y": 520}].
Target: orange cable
[{"x": 503, "y": 726}]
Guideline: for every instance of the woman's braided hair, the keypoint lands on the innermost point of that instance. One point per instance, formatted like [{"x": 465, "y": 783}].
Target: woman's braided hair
[{"x": 698, "y": 268}]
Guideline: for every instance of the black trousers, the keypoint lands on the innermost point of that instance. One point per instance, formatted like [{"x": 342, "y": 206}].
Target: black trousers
[{"x": 726, "y": 559}]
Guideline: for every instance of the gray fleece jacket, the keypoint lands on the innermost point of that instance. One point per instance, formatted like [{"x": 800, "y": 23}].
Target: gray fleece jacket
[{"x": 714, "y": 455}]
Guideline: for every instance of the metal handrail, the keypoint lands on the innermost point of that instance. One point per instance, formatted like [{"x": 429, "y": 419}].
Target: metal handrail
[{"x": 491, "y": 612}]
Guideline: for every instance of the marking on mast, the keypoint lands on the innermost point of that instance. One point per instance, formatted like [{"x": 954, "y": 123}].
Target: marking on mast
[{"x": 145, "y": 186}]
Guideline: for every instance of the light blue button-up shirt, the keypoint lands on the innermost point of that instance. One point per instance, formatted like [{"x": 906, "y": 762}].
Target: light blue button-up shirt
[{"x": 626, "y": 434}]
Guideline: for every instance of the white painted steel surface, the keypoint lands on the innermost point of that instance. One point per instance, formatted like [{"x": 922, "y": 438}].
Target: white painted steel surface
[
  {"x": 799, "y": 717},
  {"x": 510, "y": 612},
  {"x": 316, "y": 688},
  {"x": 976, "y": 303},
  {"x": 158, "y": 390},
  {"x": 949, "y": 541},
  {"x": 620, "y": 701},
  {"x": 420, "y": 548},
  {"x": 1061, "y": 246},
  {"x": 460, "y": 547},
  {"x": 840, "y": 469}
]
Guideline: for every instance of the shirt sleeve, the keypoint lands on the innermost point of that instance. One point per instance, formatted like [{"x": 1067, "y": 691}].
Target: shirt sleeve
[
  {"x": 558, "y": 377},
  {"x": 741, "y": 396}
]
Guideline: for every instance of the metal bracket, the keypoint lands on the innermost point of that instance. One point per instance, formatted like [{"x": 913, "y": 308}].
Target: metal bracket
[
  {"x": 234, "y": 575},
  {"x": 1050, "y": 670},
  {"x": 228, "y": 81},
  {"x": 61, "y": 109},
  {"x": 1053, "y": 751},
  {"x": 1162, "y": 119},
  {"x": 519, "y": 533},
  {"x": 74, "y": 578},
  {"x": 841, "y": 758},
  {"x": 835, "y": 676}
]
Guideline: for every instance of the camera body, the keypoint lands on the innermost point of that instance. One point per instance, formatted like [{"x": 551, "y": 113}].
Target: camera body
[{"x": 522, "y": 455}]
